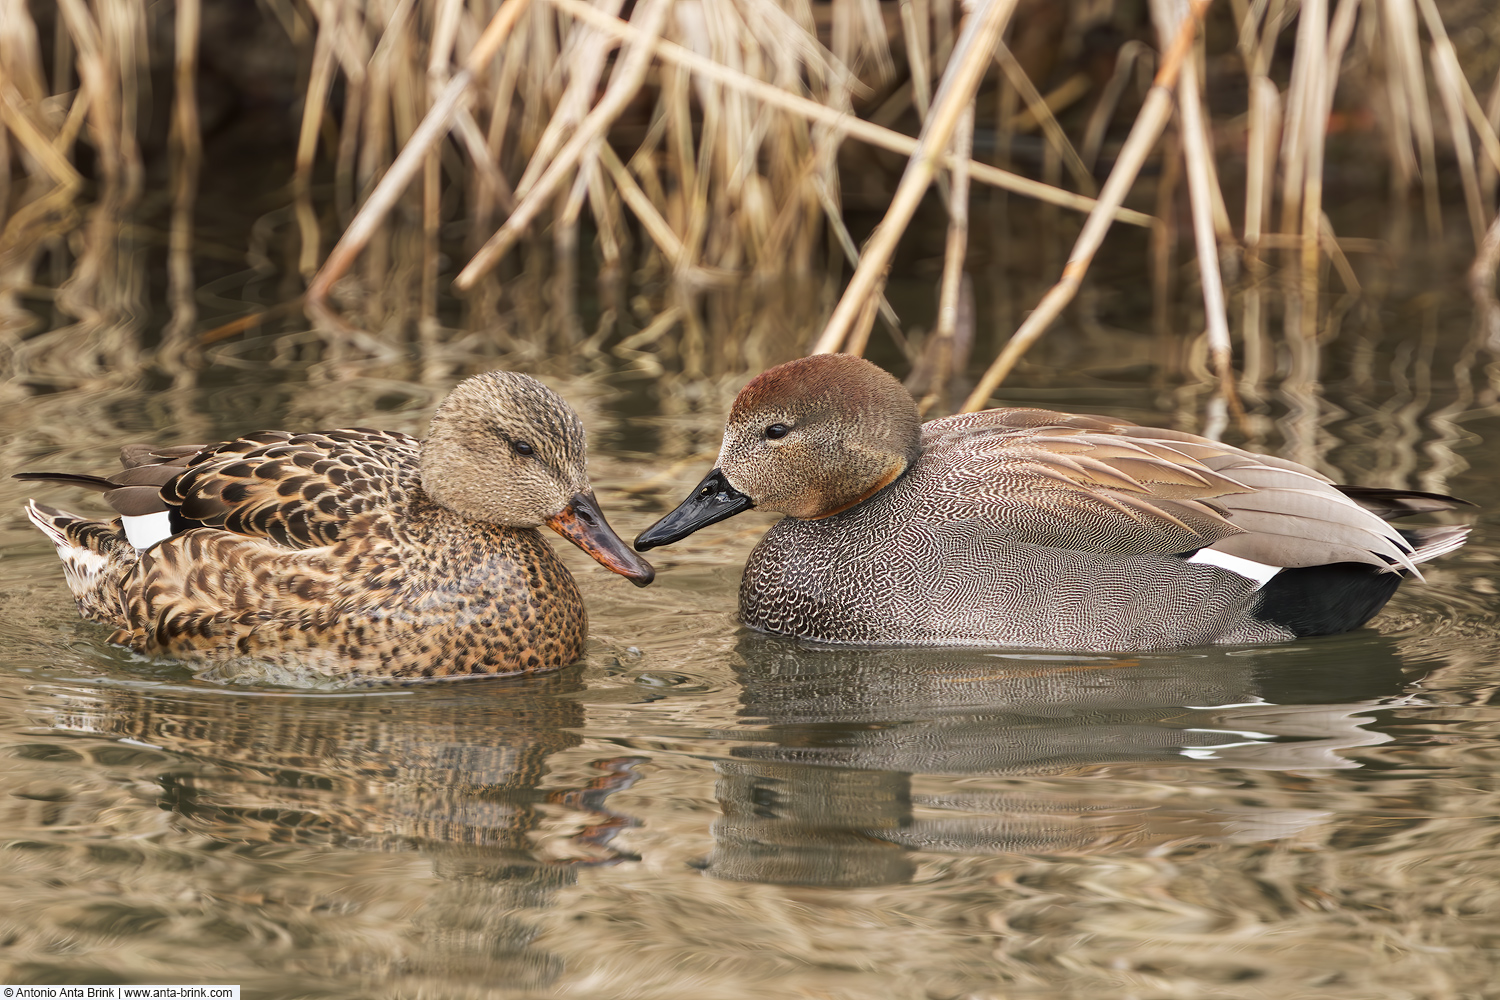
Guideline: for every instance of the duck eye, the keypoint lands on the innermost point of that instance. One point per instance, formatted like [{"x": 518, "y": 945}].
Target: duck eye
[
  {"x": 777, "y": 431},
  {"x": 523, "y": 448}
]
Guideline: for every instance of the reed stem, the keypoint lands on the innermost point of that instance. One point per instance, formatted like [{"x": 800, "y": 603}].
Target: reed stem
[
  {"x": 1153, "y": 117},
  {"x": 971, "y": 56}
]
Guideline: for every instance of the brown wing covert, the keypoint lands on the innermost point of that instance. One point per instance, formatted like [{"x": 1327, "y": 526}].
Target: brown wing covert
[{"x": 298, "y": 490}]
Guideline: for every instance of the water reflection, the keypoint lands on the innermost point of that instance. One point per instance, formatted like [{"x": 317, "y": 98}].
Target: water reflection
[
  {"x": 463, "y": 775},
  {"x": 828, "y": 788}
]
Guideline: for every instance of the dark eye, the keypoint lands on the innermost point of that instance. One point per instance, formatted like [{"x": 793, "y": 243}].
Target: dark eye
[
  {"x": 777, "y": 431},
  {"x": 523, "y": 448}
]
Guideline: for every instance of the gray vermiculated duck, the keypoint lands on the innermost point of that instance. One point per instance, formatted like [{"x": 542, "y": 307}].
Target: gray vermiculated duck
[
  {"x": 1032, "y": 528},
  {"x": 354, "y": 554}
]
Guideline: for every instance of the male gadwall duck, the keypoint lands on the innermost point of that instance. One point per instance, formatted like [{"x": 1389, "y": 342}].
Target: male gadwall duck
[
  {"x": 352, "y": 554},
  {"x": 1026, "y": 527}
]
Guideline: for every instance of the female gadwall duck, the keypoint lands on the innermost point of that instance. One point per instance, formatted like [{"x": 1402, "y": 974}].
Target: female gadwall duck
[
  {"x": 1024, "y": 527},
  {"x": 352, "y": 554}
]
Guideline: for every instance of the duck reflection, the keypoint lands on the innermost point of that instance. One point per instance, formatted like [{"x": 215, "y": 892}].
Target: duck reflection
[
  {"x": 823, "y": 790},
  {"x": 456, "y": 775}
]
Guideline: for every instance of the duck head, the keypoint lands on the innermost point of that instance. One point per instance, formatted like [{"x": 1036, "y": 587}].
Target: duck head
[
  {"x": 505, "y": 449},
  {"x": 808, "y": 439}
]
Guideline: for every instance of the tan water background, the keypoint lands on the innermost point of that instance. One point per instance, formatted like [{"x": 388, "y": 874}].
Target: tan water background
[
  {"x": 695, "y": 812},
  {"x": 698, "y": 812}
]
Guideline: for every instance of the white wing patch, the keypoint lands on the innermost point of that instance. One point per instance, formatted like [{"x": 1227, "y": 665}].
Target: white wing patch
[
  {"x": 1261, "y": 573},
  {"x": 145, "y": 530}
]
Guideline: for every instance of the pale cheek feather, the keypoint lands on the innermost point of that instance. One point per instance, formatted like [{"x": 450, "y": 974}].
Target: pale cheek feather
[
  {"x": 145, "y": 530},
  {"x": 1261, "y": 573}
]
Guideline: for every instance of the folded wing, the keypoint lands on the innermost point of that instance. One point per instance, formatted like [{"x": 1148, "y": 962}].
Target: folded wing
[{"x": 1095, "y": 484}]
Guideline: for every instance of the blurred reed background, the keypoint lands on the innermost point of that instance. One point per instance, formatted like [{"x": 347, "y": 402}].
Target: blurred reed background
[{"x": 700, "y": 188}]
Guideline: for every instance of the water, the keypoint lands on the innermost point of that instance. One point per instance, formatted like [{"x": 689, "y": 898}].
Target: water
[{"x": 699, "y": 812}]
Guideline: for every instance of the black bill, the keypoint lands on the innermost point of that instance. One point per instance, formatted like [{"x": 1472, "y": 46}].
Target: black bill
[{"x": 713, "y": 500}]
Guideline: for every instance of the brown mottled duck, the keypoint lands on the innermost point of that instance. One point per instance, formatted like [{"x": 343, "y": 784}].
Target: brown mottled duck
[{"x": 352, "y": 554}]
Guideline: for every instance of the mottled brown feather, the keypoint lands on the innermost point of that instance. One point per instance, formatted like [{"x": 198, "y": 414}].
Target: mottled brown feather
[{"x": 331, "y": 555}]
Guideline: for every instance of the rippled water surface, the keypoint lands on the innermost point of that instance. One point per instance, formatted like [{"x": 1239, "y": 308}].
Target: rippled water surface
[{"x": 700, "y": 812}]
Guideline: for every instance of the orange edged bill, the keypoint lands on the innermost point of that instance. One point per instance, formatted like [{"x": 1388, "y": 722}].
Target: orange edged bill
[{"x": 582, "y": 523}]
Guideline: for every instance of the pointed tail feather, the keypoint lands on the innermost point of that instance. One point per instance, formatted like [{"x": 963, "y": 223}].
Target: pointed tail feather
[
  {"x": 1435, "y": 540},
  {"x": 66, "y": 479},
  {"x": 1392, "y": 504},
  {"x": 95, "y": 555}
]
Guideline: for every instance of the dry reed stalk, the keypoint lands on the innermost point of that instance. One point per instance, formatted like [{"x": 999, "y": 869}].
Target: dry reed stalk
[
  {"x": 1155, "y": 112},
  {"x": 22, "y": 91},
  {"x": 1264, "y": 122},
  {"x": 1006, "y": 102},
  {"x": 914, "y": 26},
  {"x": 1302, "y": 124},
  {"x": 506, "y": 76},
  {"x": 1445, "y": 75},
  {"x": 1489, "y": 166},
  {"x": 349, "y": 144},
  {"x": 33, "y": 142},
  {"x": 112, "y": 96},
  {"x": 1164, "y": 247},
  {"x": 843, "y": 121},
  {"x": 860, "y": 37},
  {"x": 1316, "y": 104},
  {"x": 1329, "y": 242},
  {"x": 320, "y": 82},
  {"x": 4, "y": 179},
  {"x": 1482, "y": 286},
  {"x": 971, "y": 57},
  {"x": 1109, "y": 100},
  {"x": 353, "y": 53},
  {"x": 432, "y": 220},
  {"x": 1462, "y": 109},
  {"x": 864, "y": 323},
  {"x": 700, "y": 172},
  {"x": 446, "y": 20},
  {"x": 1260, "y": 167},
  {"x": 1408, "y": 86},
  {"x": 944, "y": 334},
  {"x": 818, "y": 168},
  {"x": 1058, "y": 99},
  {"x": 1201, "y": 181},
  {"x": 403, "y": 170},
  {"x": 1043, "y": 115},
  {"x": 641, "y": 204},
  {"x": 585, "y": 53},
  {"x": 629, "y": 74},
  {"x": 177, "y": 337},
  {"x": 606, "y": 211}
]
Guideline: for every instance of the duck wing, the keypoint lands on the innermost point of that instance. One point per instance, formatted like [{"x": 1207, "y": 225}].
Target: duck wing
[
  {"x": 1092, "y": 483},
  {"x": 298, "y": 490}
]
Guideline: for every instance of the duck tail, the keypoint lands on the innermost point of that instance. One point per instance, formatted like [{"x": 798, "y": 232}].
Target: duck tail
[
  {"x": 1432, "y": 541},
  {"x": 95, "y": 555},
  {"x": 1388, "y": 505},
  {"x": 1323, "y": 600}
]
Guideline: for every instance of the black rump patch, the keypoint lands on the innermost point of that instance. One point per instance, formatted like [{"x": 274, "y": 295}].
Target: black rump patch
[{"x": 1325, "y": 600}]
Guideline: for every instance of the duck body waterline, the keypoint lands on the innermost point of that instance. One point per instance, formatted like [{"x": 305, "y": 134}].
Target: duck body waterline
[
  {"x": 1033, "y": 528},
  {"x": 352, "y": 554}
]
